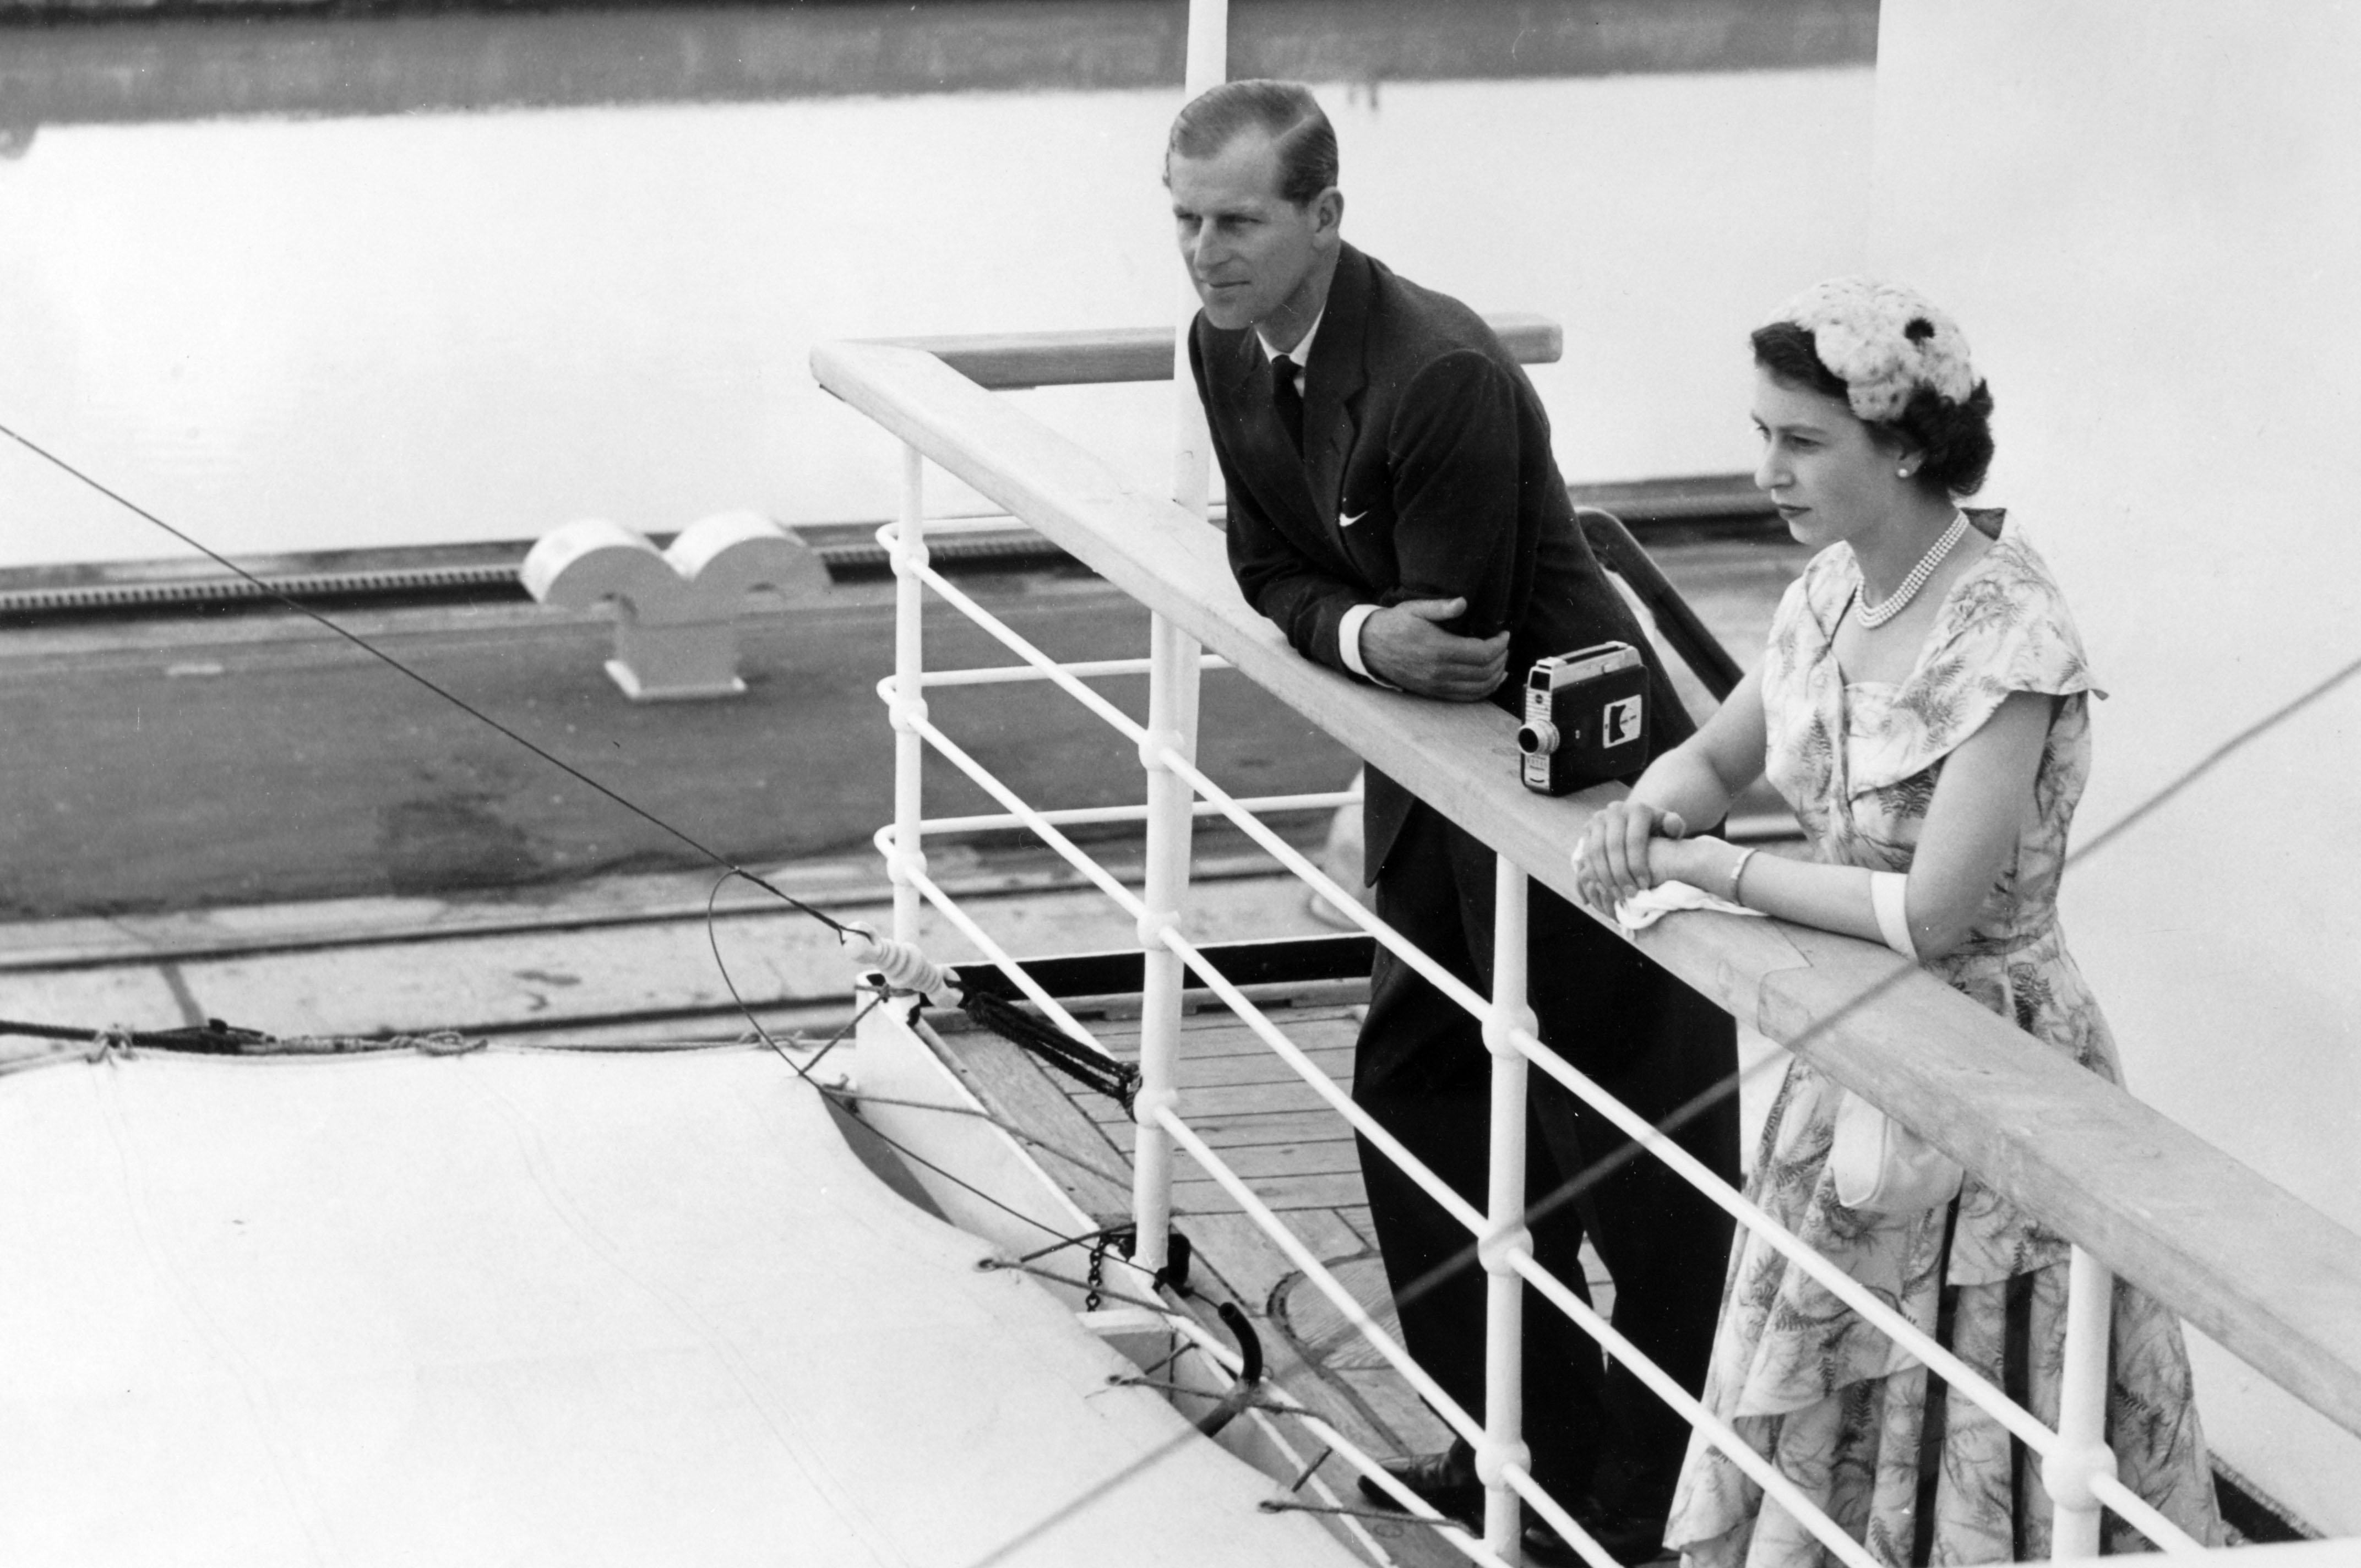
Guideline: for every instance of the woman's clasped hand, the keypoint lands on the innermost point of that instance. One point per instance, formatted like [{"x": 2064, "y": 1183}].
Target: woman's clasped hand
[{"x": 1631, "y": 846}]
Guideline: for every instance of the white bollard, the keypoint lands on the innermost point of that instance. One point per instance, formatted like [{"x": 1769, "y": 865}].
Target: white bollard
[{"x": 677, "y": 610}]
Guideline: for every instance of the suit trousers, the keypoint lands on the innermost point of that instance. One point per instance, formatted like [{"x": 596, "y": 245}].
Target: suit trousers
[{"x": 1420, "y": 1068}]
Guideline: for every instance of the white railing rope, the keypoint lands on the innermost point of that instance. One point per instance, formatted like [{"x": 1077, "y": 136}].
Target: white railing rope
[
  {"x": 1454, "y": 1414},
  {"x": 990, "y": 782},
  {"x": 1851, "y": 1291},
  {"x": 1256, "y": 1019},
  {"x": 999, "y": 957},
  {"x": 1085, "y": 669},
  {"x": 1137, "y": 908},
  {"x": 1072, "y": 816},
  {"x": 1121, "y": 722},
  {"x": 2211, "y": 1237},
  {"x": 1157, "y": 1110},
  {"x": 2077, "y": 1466}
]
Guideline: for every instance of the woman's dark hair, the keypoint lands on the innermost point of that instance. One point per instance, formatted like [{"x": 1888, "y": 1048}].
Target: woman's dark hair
[
  {"x": 1954, "y": 440},
  {"x": 1284, "y": 111}
]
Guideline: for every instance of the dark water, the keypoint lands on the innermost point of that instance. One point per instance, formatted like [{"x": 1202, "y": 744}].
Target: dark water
[
  {"x": 387, "y": 62},
  {"x": 302, "y": 285}
]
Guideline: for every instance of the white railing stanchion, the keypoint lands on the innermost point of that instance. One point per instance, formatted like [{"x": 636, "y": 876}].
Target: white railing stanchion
[
  {"x": 1172, "y": 723},
  {"x": 1207, "y": 65},
  {"x": 1506, "y": 1235},
  {"x": 909, "y": 707},
  {"x": 2082, "y": 1450},
  {"x": 1171, "y": 819}
]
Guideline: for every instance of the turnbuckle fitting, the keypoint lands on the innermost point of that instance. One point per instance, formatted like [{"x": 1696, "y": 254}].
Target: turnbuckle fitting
[
  {"x": 1495, "y": 1459},
  {"x": 1498, "y": 1249},
  {"x": 2069, "y": 1471}
]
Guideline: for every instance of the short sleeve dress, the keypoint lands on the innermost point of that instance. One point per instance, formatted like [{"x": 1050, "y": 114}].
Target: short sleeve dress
[{"x": 1852, "y": 1419}]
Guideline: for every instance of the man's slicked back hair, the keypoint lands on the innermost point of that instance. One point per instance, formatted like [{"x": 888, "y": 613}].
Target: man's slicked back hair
[{"x": 1285, "y": 111}]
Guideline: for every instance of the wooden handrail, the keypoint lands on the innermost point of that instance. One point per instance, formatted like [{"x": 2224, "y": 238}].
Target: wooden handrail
[
  {"x": 1013, "y": 361},
  {"x": 2267, "y": 1275}
]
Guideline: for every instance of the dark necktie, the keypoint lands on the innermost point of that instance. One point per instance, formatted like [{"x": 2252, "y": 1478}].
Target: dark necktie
[{"x": 1287, "y": 400}]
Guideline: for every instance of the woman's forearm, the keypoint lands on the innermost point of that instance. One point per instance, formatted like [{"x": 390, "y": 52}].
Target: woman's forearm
[
  {"x": 1834, "y": 898},
  {"x": 1809, "y": 893},
  {"x": 1684, "y": 782}
]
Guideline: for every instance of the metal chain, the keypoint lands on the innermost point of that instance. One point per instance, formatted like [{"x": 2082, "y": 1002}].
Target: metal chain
[{"x": 1097, "y": 1273}]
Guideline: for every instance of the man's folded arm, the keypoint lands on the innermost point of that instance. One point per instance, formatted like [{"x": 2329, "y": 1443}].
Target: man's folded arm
[
  {"x": 1454, "y": 446},
  {"x": 1310, "y": 606}
]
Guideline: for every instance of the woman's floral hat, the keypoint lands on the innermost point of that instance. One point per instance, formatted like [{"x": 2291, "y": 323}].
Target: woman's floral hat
[{"x": 1883, "y": 342}]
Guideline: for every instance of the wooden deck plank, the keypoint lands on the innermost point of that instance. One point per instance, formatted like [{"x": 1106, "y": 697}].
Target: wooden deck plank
[
  {"x": 1416, "y": 1429},
  {"x": 1014, "y": 1087},
  {"x": 1225, "y": 1100},
  {"x": 1245, "y": 1129},
  {"x": 1212, "y": 1033},
  {"x": 1261, "y": 1162},
  {"x": 1280, "y": 1193},
  {"x": 1251, "y": 1263},
  {"x": 1265, "y": 1067}
]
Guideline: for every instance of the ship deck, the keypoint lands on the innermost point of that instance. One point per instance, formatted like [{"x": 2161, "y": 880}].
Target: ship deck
[
  {"x": 236, "y": 815},
  {"x": 626, "y": 962}
]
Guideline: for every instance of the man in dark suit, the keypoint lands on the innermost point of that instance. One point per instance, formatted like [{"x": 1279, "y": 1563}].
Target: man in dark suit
[{"x": 1394, "y": 507}]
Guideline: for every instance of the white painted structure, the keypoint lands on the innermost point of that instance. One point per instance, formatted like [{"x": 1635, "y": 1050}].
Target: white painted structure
[
  {"x": 537, "y": 1307},
  {"x": 676, "y": 609},
  {"x": 2134, "y": 1193},
  {"x": 2148, "y": 217}
]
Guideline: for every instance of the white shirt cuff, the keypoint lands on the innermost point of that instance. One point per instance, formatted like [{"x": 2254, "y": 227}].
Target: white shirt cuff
[{"x": 1348, "y": 641}]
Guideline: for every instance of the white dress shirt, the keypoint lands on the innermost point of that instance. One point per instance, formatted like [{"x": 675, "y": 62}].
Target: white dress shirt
[{"x": 1348, "y": 631}]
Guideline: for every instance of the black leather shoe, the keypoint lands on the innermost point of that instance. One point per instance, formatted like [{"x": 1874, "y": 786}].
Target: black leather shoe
[
  {"x": 1629, "y": 1539},
  {"x": 1446, "y": 1480}
]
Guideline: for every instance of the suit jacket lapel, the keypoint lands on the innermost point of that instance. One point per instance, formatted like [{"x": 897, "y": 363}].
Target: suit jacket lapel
[
  {"x": 1333, "y": 386},
  {"x": 1241, "y": 369},
  {"x": 1240, "y": 374}
]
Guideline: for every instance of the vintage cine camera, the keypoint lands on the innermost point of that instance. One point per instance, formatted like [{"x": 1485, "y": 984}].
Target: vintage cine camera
[{"x": 1586, "y": 718}]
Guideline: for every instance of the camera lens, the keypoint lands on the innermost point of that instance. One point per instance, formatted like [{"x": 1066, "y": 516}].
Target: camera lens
[{"x": 1537, "y": 737}]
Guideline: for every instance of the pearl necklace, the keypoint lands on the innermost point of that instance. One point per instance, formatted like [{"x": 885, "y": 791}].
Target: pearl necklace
[{"x": 1874, "y": 615}]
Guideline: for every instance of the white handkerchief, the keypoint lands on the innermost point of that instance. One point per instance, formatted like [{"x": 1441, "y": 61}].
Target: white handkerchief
[{"x": 1644, "y": 909}]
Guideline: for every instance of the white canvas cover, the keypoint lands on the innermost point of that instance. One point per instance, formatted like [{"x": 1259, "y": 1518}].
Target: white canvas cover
[{"x": 519, "y": 1307}]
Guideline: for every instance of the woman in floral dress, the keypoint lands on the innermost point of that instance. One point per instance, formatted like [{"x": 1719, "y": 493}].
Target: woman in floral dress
[{"x": 1923, "y": 707}]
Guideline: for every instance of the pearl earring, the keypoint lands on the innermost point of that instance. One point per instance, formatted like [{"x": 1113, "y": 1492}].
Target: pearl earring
[{"x": 1902, "y": 473}]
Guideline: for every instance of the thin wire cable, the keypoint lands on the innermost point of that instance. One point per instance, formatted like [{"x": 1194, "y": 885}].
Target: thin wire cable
[
  {"x": 713, "y": 942},
  {"x": 848, "y": 1102},
  {"x": 994, "y": 1265},
  {"x": 1079, "y": 1162},
  {"x": 2215, "y": 758},
  {"x": 365, "y": 646}
]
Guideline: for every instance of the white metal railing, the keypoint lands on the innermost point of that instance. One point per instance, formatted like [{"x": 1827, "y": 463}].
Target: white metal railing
[{"x": 2077, "y": 1468}]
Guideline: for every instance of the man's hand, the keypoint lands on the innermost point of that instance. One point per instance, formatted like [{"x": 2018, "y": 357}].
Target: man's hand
[{"x": 1405, "y": 645}]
